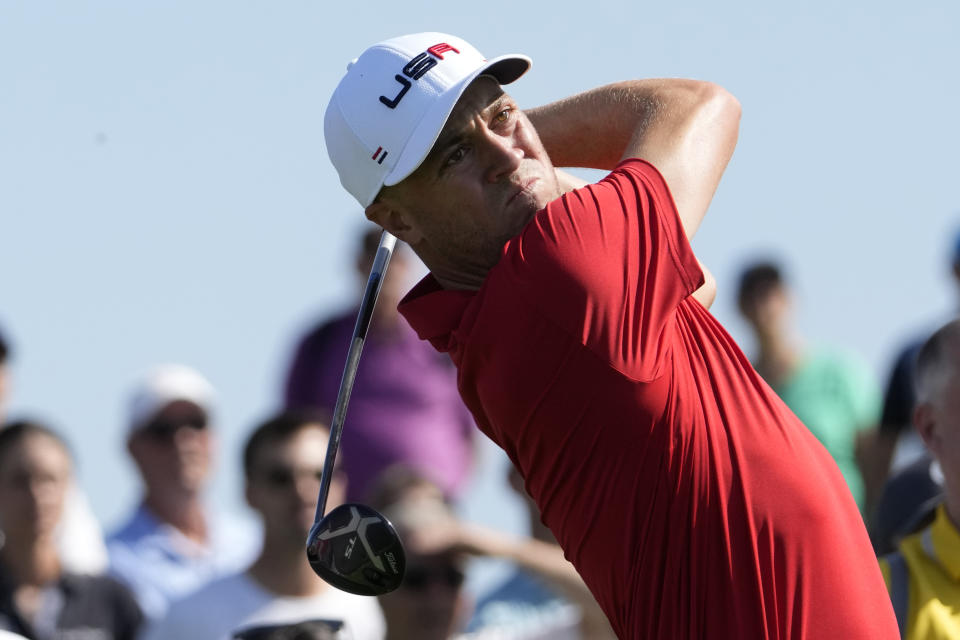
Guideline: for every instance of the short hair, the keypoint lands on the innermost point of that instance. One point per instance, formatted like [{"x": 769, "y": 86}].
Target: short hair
[
  {"x": 757, "y": 280},
  {"x": 12, "y": 433},
  {"x": 277, "y": 428},
  {"x": 392, "y": 485},
  {"x": 4, "y": 349},
  {"x": 934, "y": 361}
]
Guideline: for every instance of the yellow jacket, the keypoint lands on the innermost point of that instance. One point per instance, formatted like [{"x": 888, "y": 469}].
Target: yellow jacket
[{"x": 923, "y": 578}]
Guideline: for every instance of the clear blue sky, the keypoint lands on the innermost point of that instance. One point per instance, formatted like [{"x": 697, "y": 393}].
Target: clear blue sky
[{"x": 165, "y": 193}]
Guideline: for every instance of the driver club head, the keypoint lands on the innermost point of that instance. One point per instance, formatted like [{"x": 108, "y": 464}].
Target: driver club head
[{"x": 356, "y": 549}]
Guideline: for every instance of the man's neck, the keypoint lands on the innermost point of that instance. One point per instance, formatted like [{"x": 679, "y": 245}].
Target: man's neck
[
  {"x": 283, "y": 570},
  {"x": 459, "y": 283},
  {"x": 184, "y": 512},
  {"x": 466, "y": 279},
  {"x": 778, "y": 357},
  {"x": 33, "y": 563},
  {"x": 951, "y": 502}
]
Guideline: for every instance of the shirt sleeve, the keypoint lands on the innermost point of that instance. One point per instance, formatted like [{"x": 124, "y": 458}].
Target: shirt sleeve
[{"x": 610, "y": 263}]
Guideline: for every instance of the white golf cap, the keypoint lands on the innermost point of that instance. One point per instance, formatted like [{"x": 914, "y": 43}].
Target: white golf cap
[
  {"x": 388, "y": 111},
  {"x": 164, "y": 385}
]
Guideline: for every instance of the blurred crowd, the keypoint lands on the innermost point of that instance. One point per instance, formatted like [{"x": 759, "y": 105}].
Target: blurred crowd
[{"x": 175, "y": 569}]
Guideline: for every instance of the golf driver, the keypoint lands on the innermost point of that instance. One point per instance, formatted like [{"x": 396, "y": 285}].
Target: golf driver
[{"x": 353, "y": 547}]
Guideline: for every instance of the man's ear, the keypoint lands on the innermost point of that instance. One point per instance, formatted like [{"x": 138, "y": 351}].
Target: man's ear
[
  {"x": 394, "y": 219},
  {"x": 925, "y": 422}
]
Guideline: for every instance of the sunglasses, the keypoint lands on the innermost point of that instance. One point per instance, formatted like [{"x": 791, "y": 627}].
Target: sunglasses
[
  {"x": 419, "y": 578},
  {"x": 164, "y": 428},
  {"x": 286, "y": 477}
]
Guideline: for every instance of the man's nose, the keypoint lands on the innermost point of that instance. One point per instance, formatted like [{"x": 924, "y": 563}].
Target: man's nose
[{"x": 503, "y": 156}]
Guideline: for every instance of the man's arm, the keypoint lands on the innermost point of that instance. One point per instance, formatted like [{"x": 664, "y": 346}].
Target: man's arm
[
  {"x": 705, "y": 295},
  {"x": 440, "y": 534},
  {"x": 686, "y": 128}
]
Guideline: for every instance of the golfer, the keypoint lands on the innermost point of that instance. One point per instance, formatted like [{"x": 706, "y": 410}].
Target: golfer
[{"x": 691, "y": 500}]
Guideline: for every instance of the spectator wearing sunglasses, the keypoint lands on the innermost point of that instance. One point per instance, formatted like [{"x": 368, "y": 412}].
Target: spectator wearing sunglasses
[
  {"x": 283, "y": 462},
  {"x": 173, "y": 544},
  {"x": 430, "y": 603}
]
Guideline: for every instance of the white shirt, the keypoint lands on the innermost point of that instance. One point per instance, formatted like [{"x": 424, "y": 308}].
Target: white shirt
[
  {"x": 237, "y": 601},
  {"x": 79, "y": 537}
]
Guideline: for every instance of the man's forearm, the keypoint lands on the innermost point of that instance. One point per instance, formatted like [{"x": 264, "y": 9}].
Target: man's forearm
[
  {"x": 686, "y": 128},
  {"x": 594, "y": 128}
]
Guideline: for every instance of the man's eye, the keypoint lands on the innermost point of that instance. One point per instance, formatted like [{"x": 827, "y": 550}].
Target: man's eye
[
  {"x": 456, "y": 156},
  {"x": 502, "y": 117}
]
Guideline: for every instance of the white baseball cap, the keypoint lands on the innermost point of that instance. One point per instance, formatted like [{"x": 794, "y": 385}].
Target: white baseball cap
[
  {"x": 390, "y": 107},
  {"x": 164, "y": 385}
]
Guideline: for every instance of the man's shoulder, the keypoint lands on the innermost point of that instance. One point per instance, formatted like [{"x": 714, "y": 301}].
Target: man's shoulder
[
  {"x": 138, "y": 525},
  {"x": 324, "y": 330},
  {"x": 143, "y": 535}
]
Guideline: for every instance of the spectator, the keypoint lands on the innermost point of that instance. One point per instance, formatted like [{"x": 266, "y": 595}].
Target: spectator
[
  {"x": 79, "y": 537},
  {"x": 172, "y": 545},
  {"x": 896, "y": 444},
  {"x": 921, "y": 574},
  {"x": 283, "y": 461},
  {"x": 404, "y": 408},
  {"x": 39, "y": 599},
  {"x": 4, "y": 376},
  {"x": 908, "y": 503},
  {"x": 833, "y": 394},
  {"x": 544, "y": 600},
  {"x": 430, "y": 603}
]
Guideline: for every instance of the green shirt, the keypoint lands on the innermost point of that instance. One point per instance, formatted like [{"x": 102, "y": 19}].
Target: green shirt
[{"x": 835, "y": 396}]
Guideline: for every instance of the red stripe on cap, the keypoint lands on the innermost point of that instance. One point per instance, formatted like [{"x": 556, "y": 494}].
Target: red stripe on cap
[
  {"x": 376, "y": 153},
  {"x": 439, "y": 49}
]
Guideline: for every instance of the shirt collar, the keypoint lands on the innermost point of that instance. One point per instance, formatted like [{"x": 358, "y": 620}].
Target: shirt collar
[
  {"x": 172, "y": 538},
  {"x": 435, "y": 312},
  {"x": 945, "y": 540}
]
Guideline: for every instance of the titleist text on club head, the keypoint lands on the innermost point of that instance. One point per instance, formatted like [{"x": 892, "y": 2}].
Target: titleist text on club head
[{"x": 357, "y": 550}]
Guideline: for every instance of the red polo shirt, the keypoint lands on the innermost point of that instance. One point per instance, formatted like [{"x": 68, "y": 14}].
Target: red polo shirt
[{"x": 691, "y": 500}]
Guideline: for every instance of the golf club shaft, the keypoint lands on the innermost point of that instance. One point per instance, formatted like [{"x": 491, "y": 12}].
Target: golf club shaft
[{"x": 367, "y": 304}]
